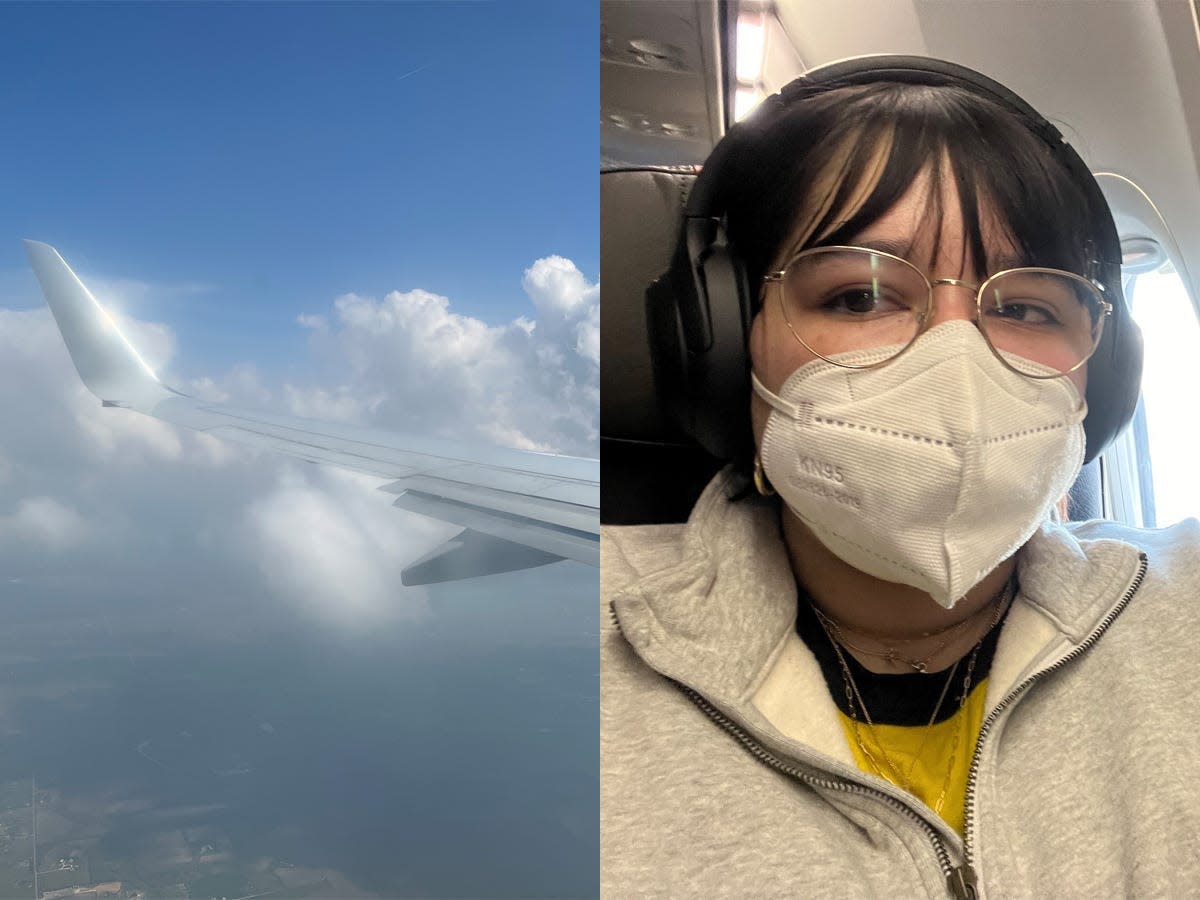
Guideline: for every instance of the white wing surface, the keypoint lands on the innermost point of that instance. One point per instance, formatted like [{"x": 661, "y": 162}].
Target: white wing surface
[{"x": 517, "y": 508}]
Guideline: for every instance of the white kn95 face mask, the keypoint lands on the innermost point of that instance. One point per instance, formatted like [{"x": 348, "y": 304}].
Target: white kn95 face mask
[{"x": 929, "y": 471}]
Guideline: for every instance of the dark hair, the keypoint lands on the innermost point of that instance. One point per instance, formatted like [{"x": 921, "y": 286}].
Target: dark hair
[
  {"x": 830, "y": 145},
  {"x": 804, "y": 179}
]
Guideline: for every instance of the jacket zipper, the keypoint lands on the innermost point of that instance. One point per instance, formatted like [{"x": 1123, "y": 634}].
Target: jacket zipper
[
  {"x": 767, "y": 758},
  {"x": 962, "y": 881},
  {"x": 763, "y": 755}
]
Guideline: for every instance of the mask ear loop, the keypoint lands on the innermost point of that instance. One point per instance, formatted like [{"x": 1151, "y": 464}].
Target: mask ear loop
[{"x": 761, "y": 483}]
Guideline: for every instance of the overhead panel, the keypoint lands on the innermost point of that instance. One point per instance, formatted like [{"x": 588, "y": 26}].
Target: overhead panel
[
  {"x": 660, "y": 96},
  {"x": 824, "y": 32}
]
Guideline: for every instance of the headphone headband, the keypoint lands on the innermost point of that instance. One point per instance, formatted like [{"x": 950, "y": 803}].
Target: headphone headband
[{"x": 702, "y": 201}]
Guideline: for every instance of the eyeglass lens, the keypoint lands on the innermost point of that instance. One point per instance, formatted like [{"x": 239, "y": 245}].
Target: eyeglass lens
[{"x": 837, "y": 300}]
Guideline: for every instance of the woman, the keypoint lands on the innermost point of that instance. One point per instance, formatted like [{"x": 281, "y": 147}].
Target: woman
[{"x": 870, "y": 664}]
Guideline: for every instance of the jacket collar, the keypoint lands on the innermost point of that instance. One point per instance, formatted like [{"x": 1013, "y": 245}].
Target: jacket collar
[{"x": 719, "y": 617}]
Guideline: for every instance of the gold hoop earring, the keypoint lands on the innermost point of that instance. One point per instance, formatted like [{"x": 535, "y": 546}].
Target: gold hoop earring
[{"x": 761, "y": 483}]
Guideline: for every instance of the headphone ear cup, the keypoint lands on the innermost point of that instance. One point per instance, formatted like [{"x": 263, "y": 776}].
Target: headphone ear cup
[
  {"x": 698, "y": 316},
  {"x": 718, "y": 378}
]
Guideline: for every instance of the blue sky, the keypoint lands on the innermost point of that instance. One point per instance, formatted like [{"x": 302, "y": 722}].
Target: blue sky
[{"x": 279, "y": 155}]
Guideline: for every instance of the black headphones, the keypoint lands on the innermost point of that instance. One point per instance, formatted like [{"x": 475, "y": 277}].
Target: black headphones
[{"x": 699, "y": 312}]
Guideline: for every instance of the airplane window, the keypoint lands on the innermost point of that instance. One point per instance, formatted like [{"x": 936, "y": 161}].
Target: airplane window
[
  {"x": 750, "y": 36},
  {"x": 1164, "y": 431},
  {"x": 751, "y": 44}
]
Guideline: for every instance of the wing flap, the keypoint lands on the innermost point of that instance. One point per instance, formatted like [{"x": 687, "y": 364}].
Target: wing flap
[
  {"x": 555, "y": 512},
  {"x": 550, "y": 487},
  {"x": 470, "y": 555},
  {"x": 570, "y": 544}
]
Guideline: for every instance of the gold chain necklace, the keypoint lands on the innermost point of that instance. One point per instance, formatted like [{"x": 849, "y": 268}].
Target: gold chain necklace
[
  {"x": 889, "y": 653},
  {"x": 892, "y": 655},
  {"x": 904, "y": 780},
  {"x": 853, "y": 695},
  {"x": 966, "y": 692}
]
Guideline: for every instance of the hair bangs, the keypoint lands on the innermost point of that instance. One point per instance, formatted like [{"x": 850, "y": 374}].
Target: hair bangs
[{"x": 839, "y": 162}]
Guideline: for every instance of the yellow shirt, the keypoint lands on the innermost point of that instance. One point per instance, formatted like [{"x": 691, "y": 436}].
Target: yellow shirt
[{"x": 929, "y": 761}]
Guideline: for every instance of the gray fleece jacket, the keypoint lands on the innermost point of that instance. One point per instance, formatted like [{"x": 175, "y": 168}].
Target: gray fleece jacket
[{"x": 725, "y": 771}]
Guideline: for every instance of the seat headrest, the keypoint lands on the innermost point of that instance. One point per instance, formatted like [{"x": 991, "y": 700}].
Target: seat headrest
[{"x": 651, "y": 471}]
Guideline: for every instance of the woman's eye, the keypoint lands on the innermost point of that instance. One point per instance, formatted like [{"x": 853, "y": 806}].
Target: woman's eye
[
  {"x": 1025, "y": 313},
  {"x": 861, "y": 301}
]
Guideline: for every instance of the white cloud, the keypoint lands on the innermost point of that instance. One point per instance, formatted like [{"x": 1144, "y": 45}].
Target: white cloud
[
  {"x": 409, "y": 363},
  {"x": 316, "y": 323},
  {"x": 243, "y": 386},
  {"x": 556, "y": 286},
  {"x": 43, "y": 521},
  {"x": 339, "y": 547},
  {"x": 587, "y": 332},
  {"x": 126, "y": 438},
  {"x": 342, "y": 404}
]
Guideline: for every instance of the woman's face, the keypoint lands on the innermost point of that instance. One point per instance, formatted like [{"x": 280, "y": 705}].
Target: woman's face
[{"x": 775, "y": 353}]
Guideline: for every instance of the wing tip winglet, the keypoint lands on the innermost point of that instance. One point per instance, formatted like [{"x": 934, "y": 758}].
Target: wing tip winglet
[
  {"x": 107, "y": 362},
  {"x": 42, "y": 256}
]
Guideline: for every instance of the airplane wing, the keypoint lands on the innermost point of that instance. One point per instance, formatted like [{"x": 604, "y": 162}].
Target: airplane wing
[{"x": 517, "y": 508}]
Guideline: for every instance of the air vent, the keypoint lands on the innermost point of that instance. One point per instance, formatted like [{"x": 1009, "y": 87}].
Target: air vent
[
  {"x": 643, "y": 52},
  {"x": 643, "y": 124}
]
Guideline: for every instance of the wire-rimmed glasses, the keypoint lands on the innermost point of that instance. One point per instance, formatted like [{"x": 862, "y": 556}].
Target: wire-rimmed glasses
[{"x": 841, "y": 299}]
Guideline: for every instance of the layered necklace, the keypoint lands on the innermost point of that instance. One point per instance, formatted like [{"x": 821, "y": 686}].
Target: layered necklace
[
  {"x": 889, "y": 769},
  {"x": 892, "y": 653}
]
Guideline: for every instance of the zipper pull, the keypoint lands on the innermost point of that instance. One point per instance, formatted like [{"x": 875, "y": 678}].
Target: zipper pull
[{"x": 962, "y": 883}]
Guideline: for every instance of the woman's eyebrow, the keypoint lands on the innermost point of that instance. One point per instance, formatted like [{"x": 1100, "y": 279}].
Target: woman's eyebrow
[
  {"x": 1007, "y": 261},
  {"x": 883, "y": 245},
  {"x": 997, "y": 263}
]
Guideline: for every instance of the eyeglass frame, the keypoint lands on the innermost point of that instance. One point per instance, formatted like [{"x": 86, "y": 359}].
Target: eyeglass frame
[{"x": 1106, "y": 308}]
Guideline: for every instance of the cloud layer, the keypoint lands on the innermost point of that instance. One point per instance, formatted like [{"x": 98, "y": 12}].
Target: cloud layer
[{"x": 102, "y": 491}]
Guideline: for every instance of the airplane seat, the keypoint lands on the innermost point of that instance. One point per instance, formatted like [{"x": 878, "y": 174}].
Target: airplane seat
[
  {"x": 650, "y": 471},
  {"x": 1085, "y": 500}
]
